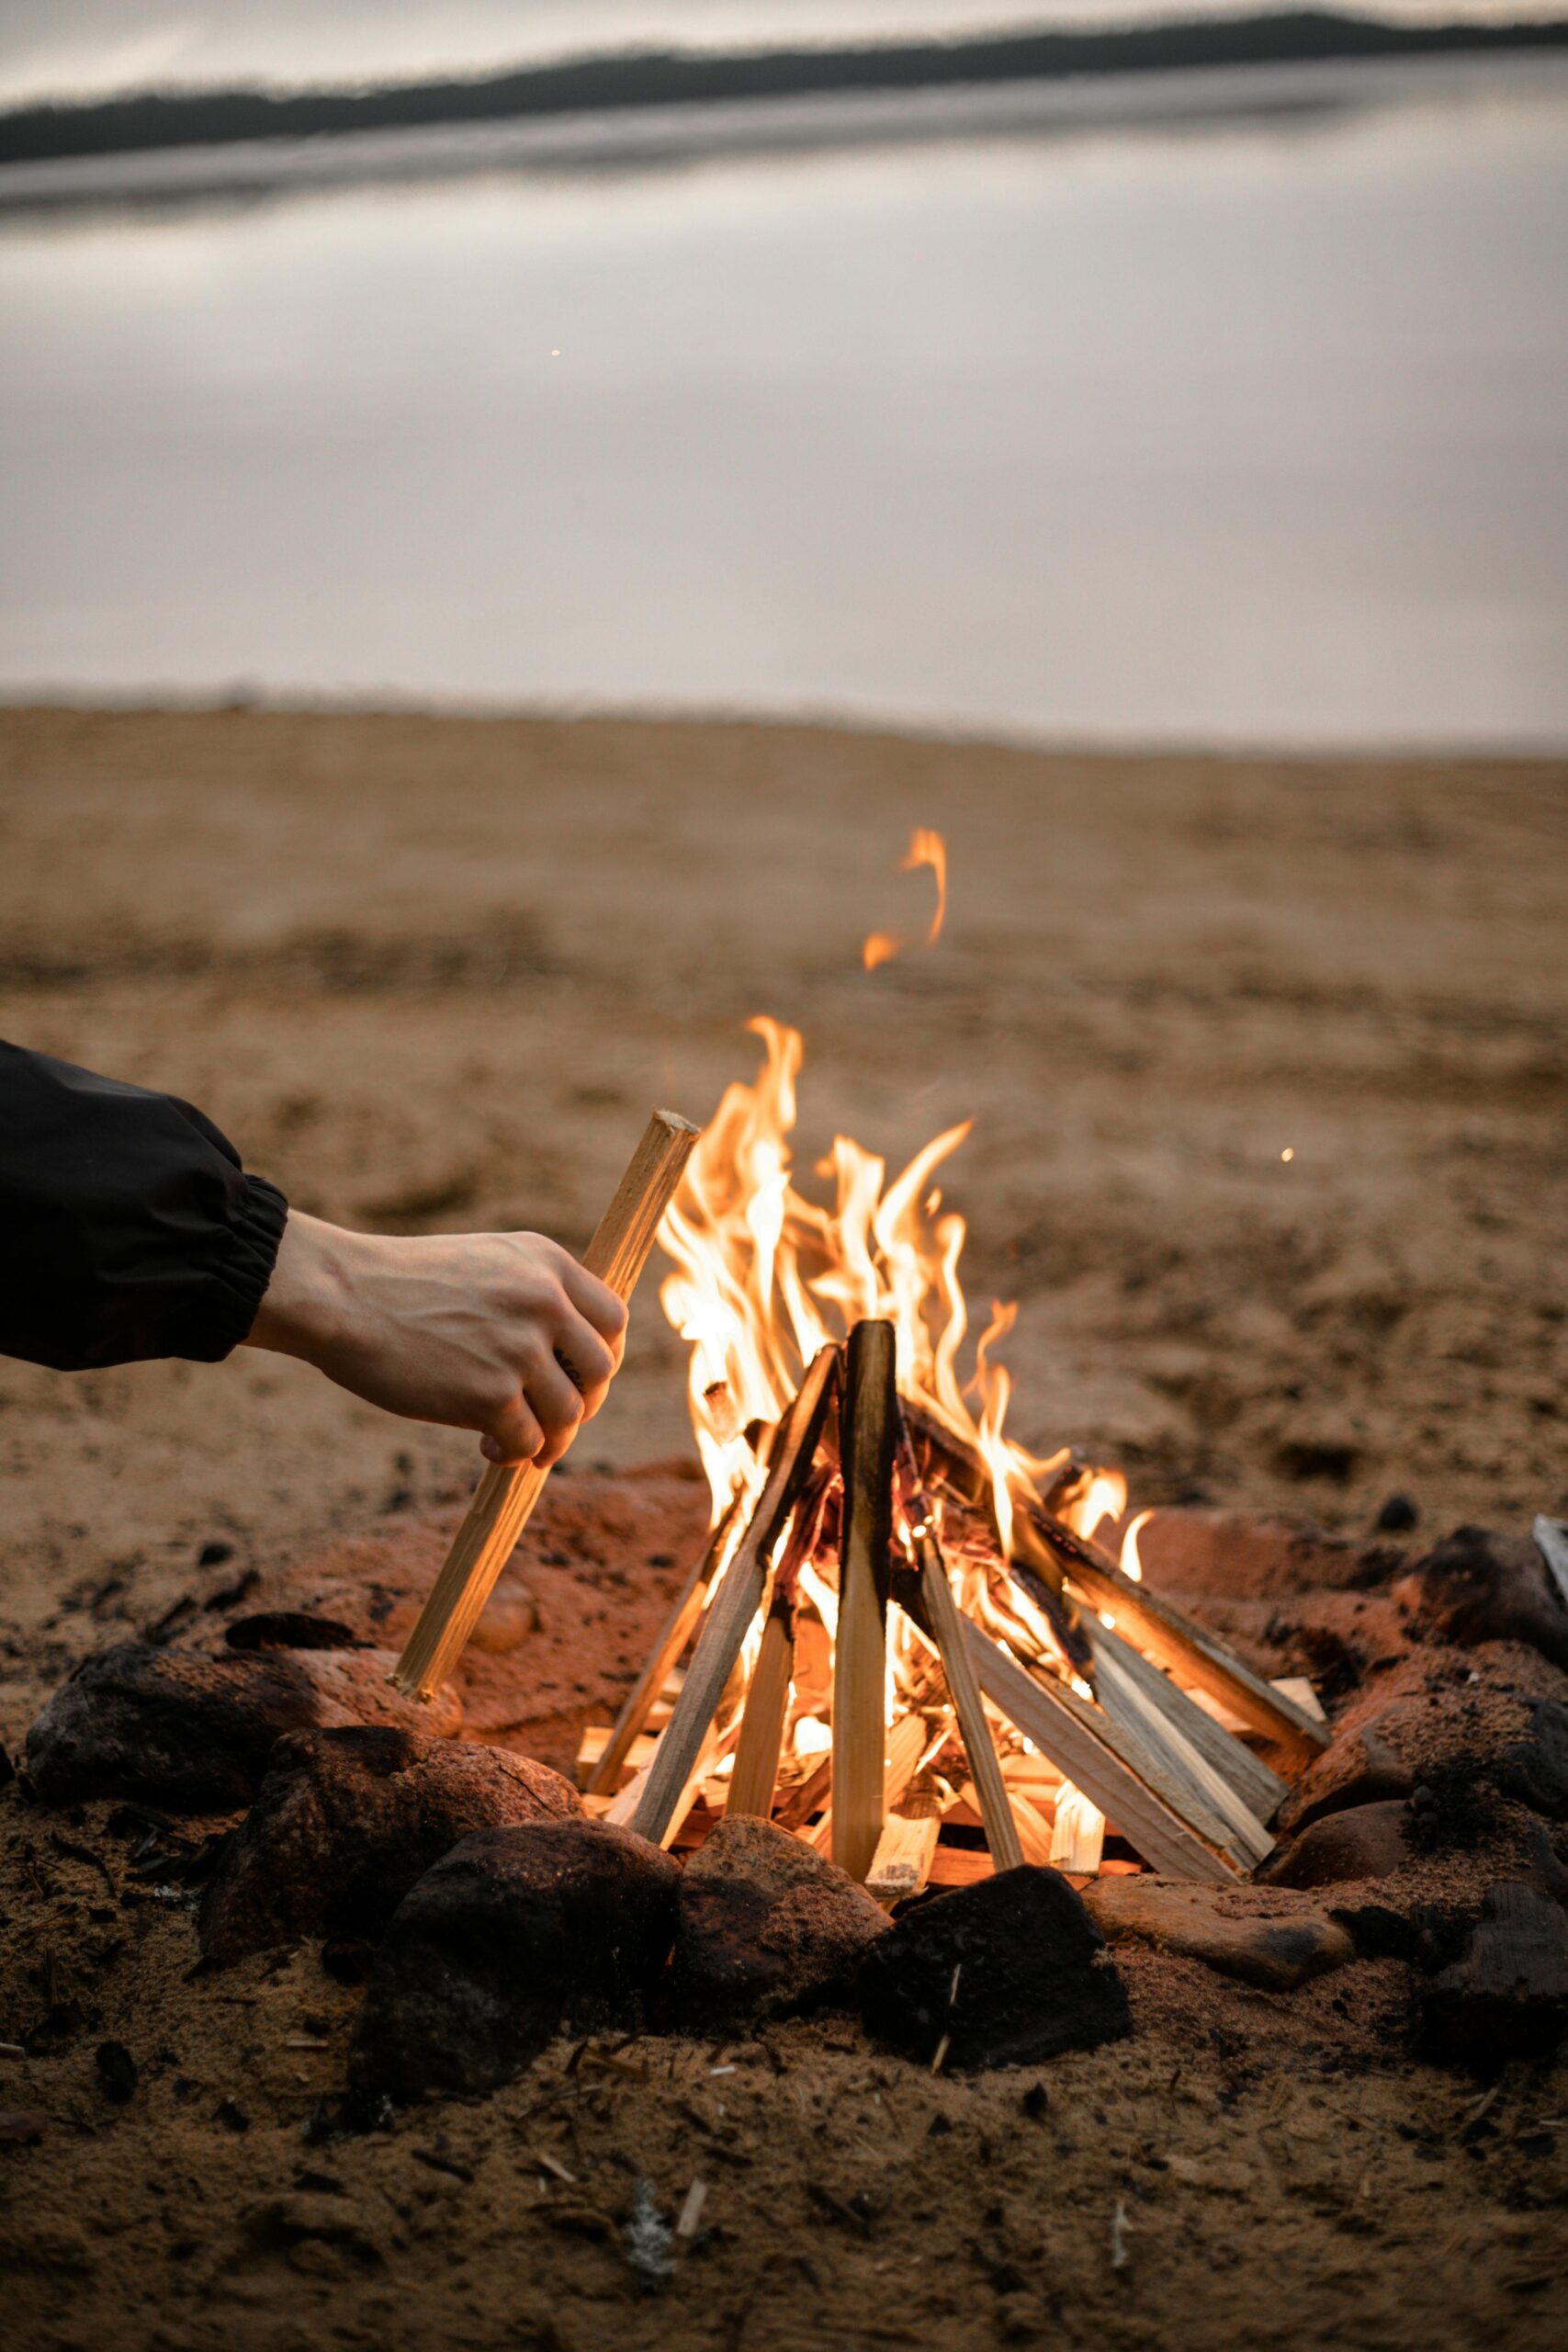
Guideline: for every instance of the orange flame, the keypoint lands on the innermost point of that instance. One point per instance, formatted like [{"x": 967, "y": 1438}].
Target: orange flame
[
  {"x": 764, "y": 1276},
  {"x": 926, "y": 848}
]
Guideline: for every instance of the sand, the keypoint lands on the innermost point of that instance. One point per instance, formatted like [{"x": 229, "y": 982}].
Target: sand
[{"x": 431, "y": 973}]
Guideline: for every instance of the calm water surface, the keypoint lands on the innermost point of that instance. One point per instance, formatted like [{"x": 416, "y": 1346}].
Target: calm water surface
[{"x": 1246, "y": 430}]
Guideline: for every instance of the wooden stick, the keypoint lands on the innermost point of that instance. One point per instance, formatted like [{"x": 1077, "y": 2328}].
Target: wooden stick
[
  {"x": 504, "y": 1499},
  {"x": 1166, "y": 1633},
  {"x": 904, "y": 1742},
  {"x": 902, "y": 1864},
  {"x": 1171, "y": 1763},
  {"x": 678, "y": 1627},
  {"x": 1173, "y": 1640},
  {"x": 942, "y": 1616},
  {"x": 868, "y": 1429},
  {"x": 1247, "y": 1779},
  {"x": 735, "y": 1602},
  {"x": 762, "y": 1726},
  {"x": 1094, "y": 1754}
]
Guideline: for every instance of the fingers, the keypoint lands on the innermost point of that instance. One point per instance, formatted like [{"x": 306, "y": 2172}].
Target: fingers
[
  {"x": 511, "y": 1434},
  {"x": 598, "y": 1303},
  {"x": 557, "y": 1406}
]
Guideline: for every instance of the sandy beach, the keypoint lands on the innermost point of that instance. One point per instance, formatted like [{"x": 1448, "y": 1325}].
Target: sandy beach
[{"x": 430, "y": 973}]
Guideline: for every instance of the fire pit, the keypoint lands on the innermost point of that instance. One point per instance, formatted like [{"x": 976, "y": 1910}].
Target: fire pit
[{"x": 910, "y": 1739}]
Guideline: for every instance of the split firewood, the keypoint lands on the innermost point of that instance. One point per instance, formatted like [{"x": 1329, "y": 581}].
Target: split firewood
[
  {"x": 678, "y": 1629},
  {"x": 1205, "y": 1800},
  {"x": 905, "y": 1852},
  {"x": 1176, "y": 1641},
  {"x": 736, "y": 1600},
  {"x": 1253, "y": 1783},
  {"x": 942, "y": 1618},
  {"x": 868, "y": 1430},
  {"x": 767, "y": 1703},
  {"x": 504, "y": 1499},
  {"x": 1095, "y": 1755}
]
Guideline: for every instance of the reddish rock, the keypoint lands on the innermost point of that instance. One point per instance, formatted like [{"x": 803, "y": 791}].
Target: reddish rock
[
  {"x": 1358, "y": 1769},
  {"x": 194, "y": 1732},
  {"x": 766, "y": 1924},
  {"x": 513, "y": 1935},
  {"x": 1477, "y": 1586},
  {"x": 1367, "y": 1842},
  {"x": 1273, "y": 1938},
  {"x": 1006, "y": 1972},
  {"x": 346, "y": 1821},
  {"x": 1210, "y": 1553}
]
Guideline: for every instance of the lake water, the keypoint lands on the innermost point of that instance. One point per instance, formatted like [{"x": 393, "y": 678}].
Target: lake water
[{"x": 1249, "y": 424}]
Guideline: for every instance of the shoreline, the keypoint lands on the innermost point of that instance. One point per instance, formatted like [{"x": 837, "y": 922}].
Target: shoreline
[{"x": 664, "y": 81}]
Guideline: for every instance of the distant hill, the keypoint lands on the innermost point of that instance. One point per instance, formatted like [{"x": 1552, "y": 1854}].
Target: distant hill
[{"x": 217, "y": 118}]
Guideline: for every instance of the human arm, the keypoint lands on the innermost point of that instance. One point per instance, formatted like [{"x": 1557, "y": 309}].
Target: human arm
[{"x": 128, "y": 1230}]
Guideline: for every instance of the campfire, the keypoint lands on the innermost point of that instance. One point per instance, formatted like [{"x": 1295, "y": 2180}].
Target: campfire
[{"x": 903, "y": 1637}]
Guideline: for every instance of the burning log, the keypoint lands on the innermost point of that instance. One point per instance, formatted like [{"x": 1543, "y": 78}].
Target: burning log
[
  {"x": 868, "y": 1428},
  {"x": 504, "y": 1499},
  {"x": 947, "y": 1632},
  {"x": 737, "y": 1601},
  {"x": 1174, "y": 1640}
]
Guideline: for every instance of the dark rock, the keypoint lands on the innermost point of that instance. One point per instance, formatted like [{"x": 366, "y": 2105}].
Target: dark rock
[
  {"x": 1358, "y": 1769},
  {"x": 1273, "y": 1939},
  {"x": 1007, "y": 1971},
  {"x": 1476, "y": 1586},
  {"x": 117, "y": 2070},
  {"x": 1397, "y": 1516},
  {"x": 214, "y": 1552},
  {"x": 1367, "y": 1842},
  {"x": 1507, "y": 1995},
  {"x": 1453, "y": 1809},
  {"x": 289, "y": 1629},
  {"x": 178, "y": 1728},
  {"x": 1541, "y": 1866},
  {"x": 345, "y": 1821},
  {"x": 513, "y": 1933},
  {"x": 1376, "y": 1932},
  {"x": 1535, "y": 1768},
  {"x": 7, "y": 1769},
  {"x": 766, "y": 1926}
]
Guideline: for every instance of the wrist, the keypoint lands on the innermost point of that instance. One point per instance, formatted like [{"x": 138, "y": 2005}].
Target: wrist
[{"x": 304, "y": 1307}]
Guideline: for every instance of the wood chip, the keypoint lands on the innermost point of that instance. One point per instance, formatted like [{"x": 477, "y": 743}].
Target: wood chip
[{"x": 691, "y": 2212}]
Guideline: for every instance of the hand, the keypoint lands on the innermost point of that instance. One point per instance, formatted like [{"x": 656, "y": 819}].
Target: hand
[{"x": 500, "y": 1332}]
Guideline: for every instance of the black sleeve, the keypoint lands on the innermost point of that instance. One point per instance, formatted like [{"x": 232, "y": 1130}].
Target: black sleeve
[{"x": 128, "y": 1227}]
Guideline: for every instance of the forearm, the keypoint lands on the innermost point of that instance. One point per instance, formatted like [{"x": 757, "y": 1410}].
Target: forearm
[{"x": 128, "y": 1227}]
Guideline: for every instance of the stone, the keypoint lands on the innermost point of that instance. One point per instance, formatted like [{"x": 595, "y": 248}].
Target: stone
[
  {"x": 345, "y": 1821},
  {"x": 1507, "y": 1995},
  {"x": 766, "y": 1926},
  {"x": 289, "y": 1629},
  {"x": 1360, "y": 1767},
  {"x": 1535, "y": 1770},
  {"x": 1208, "y": 1552},
  {"x": 1397, "y": 1515},
  {"x": 1477, "y": 1586},
  {"x": 1369, "y": 1841},
  {"x": 512, "y": 1935},
  {"x": 1007, "y": 1971},
  {"x": 193, "y": 1733},
  {"x": 1274, "y": 1940}
]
